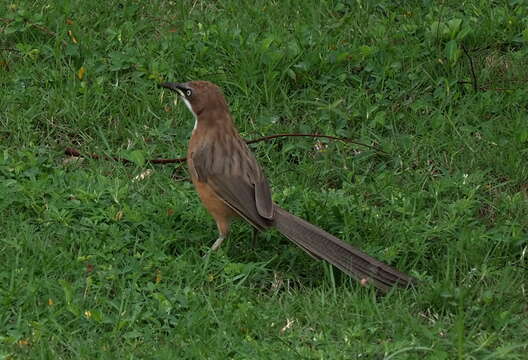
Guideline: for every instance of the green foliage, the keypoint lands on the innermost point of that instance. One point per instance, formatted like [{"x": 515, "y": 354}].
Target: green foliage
[{"x": 106, "y": 260}]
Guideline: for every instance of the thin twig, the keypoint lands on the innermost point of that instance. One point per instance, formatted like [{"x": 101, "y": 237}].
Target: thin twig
[
  {"x": 74, "y": 152},
  {"x": 315, "y": 136},
  {"x": 486, "y": 88},
  {"x": 77, "y": 153},
  {"x": 167, "y": 161},
  {"x": 42, "y": 28},
  {"x": 49, "y": 32},
  {"x": 475, "y": 84}
]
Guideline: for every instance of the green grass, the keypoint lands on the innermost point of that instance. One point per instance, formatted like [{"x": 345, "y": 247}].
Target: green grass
[{"x": 95, "y": 264}]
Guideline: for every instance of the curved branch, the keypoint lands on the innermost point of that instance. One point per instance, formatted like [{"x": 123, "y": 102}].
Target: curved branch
[
  {"x": 472, "y": 68},
  {"x": 74, "y": 152},
  {"x": 316, "y": 136}
]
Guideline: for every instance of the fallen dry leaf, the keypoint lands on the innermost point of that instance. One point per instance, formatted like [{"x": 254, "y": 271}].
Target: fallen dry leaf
[
  {"x": 143, "y": 175},
  {"x": 81, "y": 72},
  {"x": 71, "y": 159},
  {"x": 320, "y": 147},
  {"x": 119, "y": 215},
  {"x": 289, "y": 324},
  {"x": 72, "y": 37}
]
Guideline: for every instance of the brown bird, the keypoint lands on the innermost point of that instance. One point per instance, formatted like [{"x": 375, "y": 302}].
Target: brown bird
[{"x": 231, "y": 184}]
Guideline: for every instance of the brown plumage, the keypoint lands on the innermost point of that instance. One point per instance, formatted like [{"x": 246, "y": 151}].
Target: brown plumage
[{"x": 230, "y": 184}]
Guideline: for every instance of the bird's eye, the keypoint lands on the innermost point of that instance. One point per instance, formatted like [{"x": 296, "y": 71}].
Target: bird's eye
[{"x": 188, "y": 92}]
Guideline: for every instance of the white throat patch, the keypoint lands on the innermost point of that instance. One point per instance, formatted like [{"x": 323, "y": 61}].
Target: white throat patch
[{"x": 188, "y": 104}]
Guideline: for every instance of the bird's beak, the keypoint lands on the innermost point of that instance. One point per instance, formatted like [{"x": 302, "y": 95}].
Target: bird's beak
[{"x": 179, "y": 88}]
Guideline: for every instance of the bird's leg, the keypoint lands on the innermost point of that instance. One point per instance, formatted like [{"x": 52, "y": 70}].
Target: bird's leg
[
  {"x": 217, "y": 243},
  {"x": 223, "y": 231}
]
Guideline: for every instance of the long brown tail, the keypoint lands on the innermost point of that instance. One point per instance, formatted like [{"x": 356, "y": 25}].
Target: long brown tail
[{"x": 352, "y": 261}]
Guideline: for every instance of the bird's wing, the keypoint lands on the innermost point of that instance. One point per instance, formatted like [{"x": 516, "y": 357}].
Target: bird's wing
[{"x": 235, "y": 176}]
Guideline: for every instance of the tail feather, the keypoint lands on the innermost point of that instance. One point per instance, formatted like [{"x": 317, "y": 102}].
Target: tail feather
[{"x": 320, "y": 244}]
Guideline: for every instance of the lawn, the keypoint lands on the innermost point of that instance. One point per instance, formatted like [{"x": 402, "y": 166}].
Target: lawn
[{"x": 102, "y": 259}]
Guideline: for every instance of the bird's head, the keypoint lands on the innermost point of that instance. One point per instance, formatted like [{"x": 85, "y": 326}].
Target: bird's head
[{"x": 200, "y": 96}]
